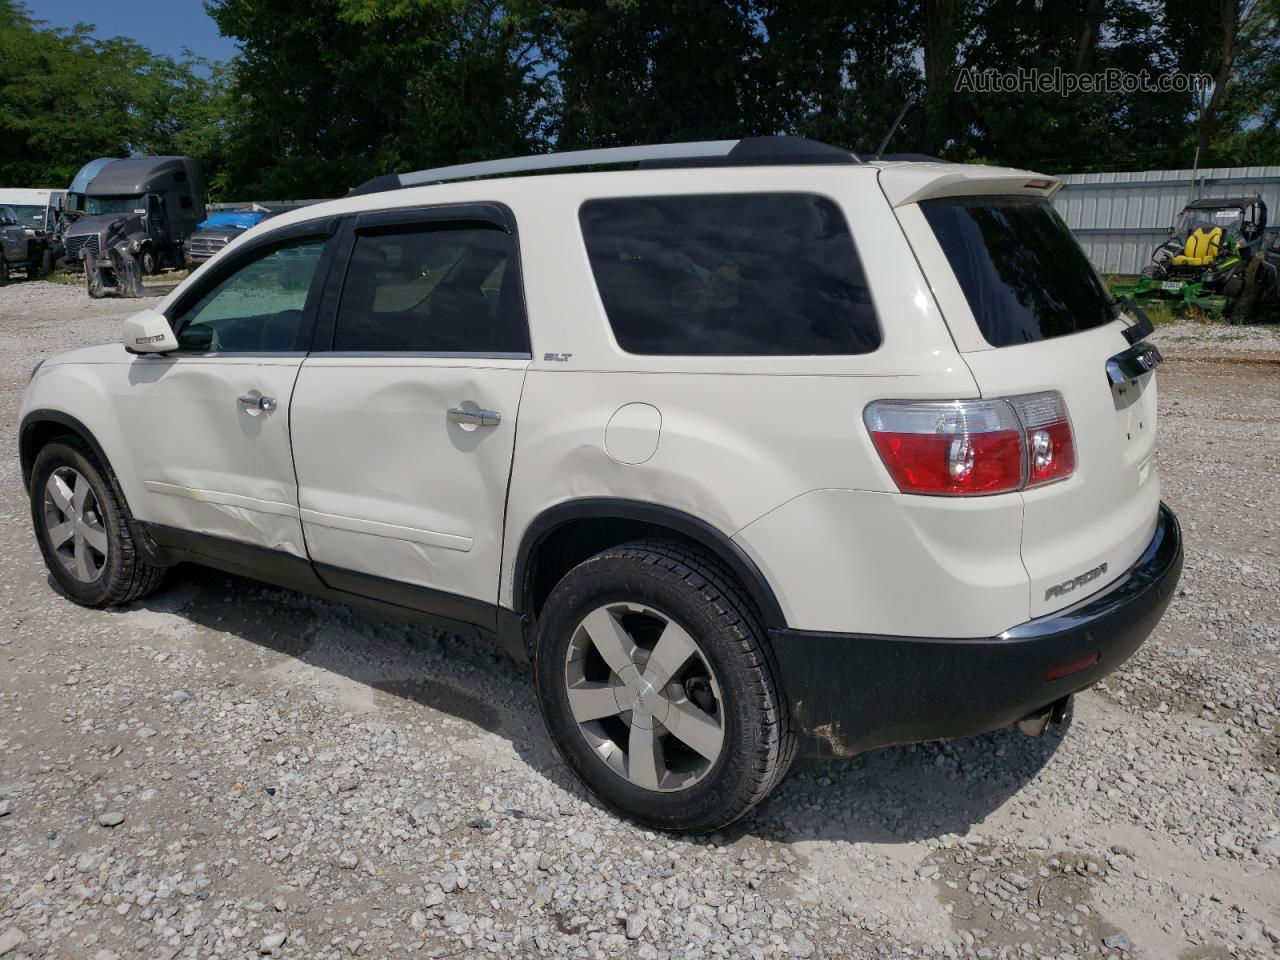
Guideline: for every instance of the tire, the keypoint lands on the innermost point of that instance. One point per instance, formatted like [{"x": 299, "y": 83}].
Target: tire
[
  {"x": 1242, "y": 309},
  {"x": 88, "y": 574},
  {"x": 724, "y": 698},
  {"x": 4, "y": 270},
  {"x": 148, "y": 262}
]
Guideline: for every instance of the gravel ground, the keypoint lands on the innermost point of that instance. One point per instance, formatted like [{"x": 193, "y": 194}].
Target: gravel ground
[{"x": 233, "y": 770}]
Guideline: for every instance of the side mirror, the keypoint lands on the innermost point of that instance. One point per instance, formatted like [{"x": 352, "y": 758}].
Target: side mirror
[{"x": 148, "y": 332}]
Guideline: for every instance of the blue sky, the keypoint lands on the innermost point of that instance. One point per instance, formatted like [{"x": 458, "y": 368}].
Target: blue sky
[{"x": 166, "y": 27}]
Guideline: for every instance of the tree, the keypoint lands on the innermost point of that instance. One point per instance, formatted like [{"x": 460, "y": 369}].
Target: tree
[
  {"x": 640, "y": 71},
  {"x": 841, "y": 73},
  {"x": 66, "y": 97},
  {"x": 336, "y": 91}
]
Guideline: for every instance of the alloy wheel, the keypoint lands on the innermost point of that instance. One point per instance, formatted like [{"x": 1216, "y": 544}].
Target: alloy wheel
[
  {"x": 73, "y": 524},
  {"x": 644, "y": 697}
]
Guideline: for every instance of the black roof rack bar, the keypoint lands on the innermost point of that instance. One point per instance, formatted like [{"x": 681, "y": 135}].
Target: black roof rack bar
[{"x": 750, "y": 150}]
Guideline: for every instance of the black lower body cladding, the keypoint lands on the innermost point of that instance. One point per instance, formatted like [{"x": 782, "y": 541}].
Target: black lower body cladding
[{"x": 850, "y": 693}]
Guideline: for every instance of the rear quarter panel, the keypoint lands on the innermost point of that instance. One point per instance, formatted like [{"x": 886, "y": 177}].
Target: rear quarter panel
[{"x": 742, "y": 437}]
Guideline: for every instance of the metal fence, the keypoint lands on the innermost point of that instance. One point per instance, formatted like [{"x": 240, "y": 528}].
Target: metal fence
[{"x": 1120, "y": 218}]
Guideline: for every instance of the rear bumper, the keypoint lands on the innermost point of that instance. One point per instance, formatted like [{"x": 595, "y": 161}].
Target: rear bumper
[{"x": 854, "y": 692}]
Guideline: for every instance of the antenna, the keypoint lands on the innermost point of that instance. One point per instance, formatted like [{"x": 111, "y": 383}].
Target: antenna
[{"x": 894, "y": 129}]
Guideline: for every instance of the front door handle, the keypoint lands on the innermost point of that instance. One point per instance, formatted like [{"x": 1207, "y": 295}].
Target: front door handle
[
  {"x": 258, "y": 402},
  {"x": 480, "y": 418}
]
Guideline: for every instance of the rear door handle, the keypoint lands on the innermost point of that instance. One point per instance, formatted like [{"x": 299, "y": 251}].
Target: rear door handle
[
  {"x": 257, "y": 402},
  {"x": 480, "y": 418}
]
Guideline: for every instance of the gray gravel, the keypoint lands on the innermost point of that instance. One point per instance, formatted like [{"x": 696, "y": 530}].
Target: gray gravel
[{"x": 233, "y": 770}]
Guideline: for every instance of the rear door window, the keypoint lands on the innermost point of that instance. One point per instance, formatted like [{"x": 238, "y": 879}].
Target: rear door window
[
  {"x": 433, "y": 288},
  {"x": 1021, "y": 269},
  {"x": 729, "y": 275}
]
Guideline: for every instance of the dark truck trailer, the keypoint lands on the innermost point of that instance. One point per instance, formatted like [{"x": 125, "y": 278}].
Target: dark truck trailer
[{"x": 140, "y": 207}]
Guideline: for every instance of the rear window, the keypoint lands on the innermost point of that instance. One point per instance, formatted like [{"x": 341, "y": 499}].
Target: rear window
[
  {"x": 1024, "y": 275},
  {"x": 729, "y": 275}
]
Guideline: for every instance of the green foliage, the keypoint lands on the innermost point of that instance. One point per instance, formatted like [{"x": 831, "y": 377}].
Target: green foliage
[
  {"x": 66, "y": 98},
  {"x": 336, "y": 91},
  {"x": 326, "y": 94}
]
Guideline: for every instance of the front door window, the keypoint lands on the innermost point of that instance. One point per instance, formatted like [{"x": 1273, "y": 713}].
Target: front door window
[{"x": 258, "y": 308}]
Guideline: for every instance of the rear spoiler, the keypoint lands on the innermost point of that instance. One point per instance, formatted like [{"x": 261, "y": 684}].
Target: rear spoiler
[{"x": 913, "y": 182}]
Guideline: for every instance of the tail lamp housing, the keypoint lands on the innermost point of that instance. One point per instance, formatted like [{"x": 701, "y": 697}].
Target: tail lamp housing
[{"x": 956, "y": 448}]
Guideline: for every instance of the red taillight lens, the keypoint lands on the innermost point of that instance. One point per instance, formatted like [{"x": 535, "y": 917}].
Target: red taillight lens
[
  {"x": 1051, "y": 453},
  {"x": 973, "y": 447},
  {"x": 953, "y": 463}
]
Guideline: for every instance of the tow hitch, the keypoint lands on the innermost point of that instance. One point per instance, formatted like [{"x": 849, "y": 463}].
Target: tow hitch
[{"x": 1037, "y": 722}]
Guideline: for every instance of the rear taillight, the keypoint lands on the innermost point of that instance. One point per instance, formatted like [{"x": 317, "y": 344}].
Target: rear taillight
[
  {"x": 1051, "y": 453},
  {"x": 973, "y": 447}
]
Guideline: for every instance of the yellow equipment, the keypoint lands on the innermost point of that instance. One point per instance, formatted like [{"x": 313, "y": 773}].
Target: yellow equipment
[{"x": 1201, "y": 250}]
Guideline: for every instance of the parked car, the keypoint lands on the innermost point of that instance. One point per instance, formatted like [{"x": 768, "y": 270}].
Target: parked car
[
  {"x": 28, "y": 223},
  {"x": 147, "y": 206},
  {"x": 218, "y": 230},
  {"x": 759, "y": 449}
]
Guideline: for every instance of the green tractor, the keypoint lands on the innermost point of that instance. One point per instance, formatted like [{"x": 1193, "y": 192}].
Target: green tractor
[{"x": 1201, "y": 266}]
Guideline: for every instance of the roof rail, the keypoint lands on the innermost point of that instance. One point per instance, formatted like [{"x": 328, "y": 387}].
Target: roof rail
[{"x": 747, "y": 151}]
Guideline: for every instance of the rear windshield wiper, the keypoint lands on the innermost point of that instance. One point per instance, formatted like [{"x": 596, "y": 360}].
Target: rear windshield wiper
[{"x": 1140, "y": 330}]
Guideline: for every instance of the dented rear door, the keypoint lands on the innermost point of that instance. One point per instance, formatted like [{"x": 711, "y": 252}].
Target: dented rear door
[{"x": 403, "y": 428}]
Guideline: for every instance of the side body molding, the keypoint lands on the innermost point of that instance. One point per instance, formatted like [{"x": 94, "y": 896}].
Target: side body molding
[{"x": 610, "y": 508}]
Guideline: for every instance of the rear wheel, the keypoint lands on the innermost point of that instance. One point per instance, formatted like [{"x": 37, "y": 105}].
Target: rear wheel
[
  {"x": 658, "y": 687},
  {"x": 84, "y": 530}
]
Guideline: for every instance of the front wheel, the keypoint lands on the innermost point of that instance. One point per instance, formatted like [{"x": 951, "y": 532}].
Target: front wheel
[
  {"x": 4, "y": 270},
  {"x": 659, "y": 689},
  {"x": 148, "y": 262},
  {"x": 83, "y": 529}
]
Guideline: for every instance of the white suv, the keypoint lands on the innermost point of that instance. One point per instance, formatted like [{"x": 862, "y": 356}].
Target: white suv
[{"x": 754, "y": 449}]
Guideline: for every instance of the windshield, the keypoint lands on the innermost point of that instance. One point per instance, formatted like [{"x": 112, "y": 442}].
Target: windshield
[
  {"x": 1229, "y": 219},
  {"x": 1022, "y": 271},
  {"x": 29, "y": 216},
  {"x": 94, "y": 206}
]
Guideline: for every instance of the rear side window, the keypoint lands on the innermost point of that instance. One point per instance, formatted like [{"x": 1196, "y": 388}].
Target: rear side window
[
  {"x": 1024, "y": 275},
  {"x": 729, "y": 275},
  {"x": 433, "y": 289}
]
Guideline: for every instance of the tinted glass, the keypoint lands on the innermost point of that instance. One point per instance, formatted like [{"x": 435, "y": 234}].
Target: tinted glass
[
  {"x": 1024, "y": 275},
  {"x": 258, "y": 308},
  {"x": 433, "y": 290},
  {"x": 93, "y": 206},
  {"x": 729, "y": 275}
]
